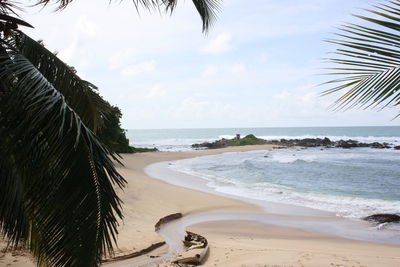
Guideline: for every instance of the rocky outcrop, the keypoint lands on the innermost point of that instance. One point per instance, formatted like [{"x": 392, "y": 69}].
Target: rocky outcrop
[
  {"x": 383, "y": 218},
  {"x": 214, "y": 145},
  {"x": 306, "y": 142}
]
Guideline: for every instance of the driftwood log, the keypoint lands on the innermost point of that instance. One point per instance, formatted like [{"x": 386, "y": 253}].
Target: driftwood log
[
  {"x": 197, "y": 249},
  {"x": 167, "y": 219},
  {"x": 136, "y": 253}
]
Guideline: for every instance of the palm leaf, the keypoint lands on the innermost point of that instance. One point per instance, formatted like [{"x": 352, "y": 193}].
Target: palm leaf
[
  {"x": 9, "y": 7},
  {"x": 57, "y": 175},
  {"x": 370, "y": 56},
  {"x": 15, "y": 20},
  {"x": 13, "y": 220},
  {"x": 207, "y": 9},
  {"x": 79, "y": 94}
]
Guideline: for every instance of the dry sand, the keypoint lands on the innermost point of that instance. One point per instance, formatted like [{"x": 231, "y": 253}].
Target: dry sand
[
  {"x": 232, "y": 243},
  {"x": 146, "y": 200},
  {"x": 20, "y": 258},
  {"x": 252, "y": 244}
]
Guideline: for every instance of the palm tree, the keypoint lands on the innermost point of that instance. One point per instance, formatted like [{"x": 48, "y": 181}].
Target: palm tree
[
  {"x": 57, "y": 181},
  {"x": 368, "y": 60}
]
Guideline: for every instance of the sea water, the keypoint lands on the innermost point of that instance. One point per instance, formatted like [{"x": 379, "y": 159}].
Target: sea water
[
  {"x": 182, "y": 139},
  {"x": 351, "y": 183}
]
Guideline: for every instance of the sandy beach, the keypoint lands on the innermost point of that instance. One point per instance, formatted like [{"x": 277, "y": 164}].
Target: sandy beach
[{"x": 232, "y": 242}]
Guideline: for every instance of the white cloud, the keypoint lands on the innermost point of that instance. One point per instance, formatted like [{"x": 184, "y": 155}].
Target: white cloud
[
  {"x": 217, "y": 92},
  {"x": 236, "y": 68},
  {"x": 85, "y": 31},
  {"x": 195, "y": 112},
  {"x": 118, "y": 59},
  {"x": 292, "y": 103},
  {"x": 219, "y": 45},
  {"x": 133, "y": 70},
  {"x": 68, "y": 53},
  {"x": 86, "y": 26},
  {"x": 210, "y": 70},
  {"x": 157, "y": 91},
  {"x": 191, "y": 104}
]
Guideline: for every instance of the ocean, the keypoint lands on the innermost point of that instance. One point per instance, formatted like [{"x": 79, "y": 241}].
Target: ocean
[
  {"x": 350, "y": 183},
  {"x": 182, "y": 139}
]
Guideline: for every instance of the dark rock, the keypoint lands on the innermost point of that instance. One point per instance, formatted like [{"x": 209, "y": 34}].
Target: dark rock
[
  {"x": 379, "y": 145},
  {"x": 303, "y": 143},
  {"x": 347, "y": 143},
  {"x": 383, "y": 218},
  {"x": 326, "y": 141},
  {"x": 214, "y": 145}
]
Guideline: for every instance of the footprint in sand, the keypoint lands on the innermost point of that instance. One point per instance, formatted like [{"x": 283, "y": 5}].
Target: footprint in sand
[{"x": 349, "y": 261}]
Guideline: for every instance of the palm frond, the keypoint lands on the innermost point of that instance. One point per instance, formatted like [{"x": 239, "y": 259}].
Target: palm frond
[
  {"x": 9, "y": 7},
  {"x": 79, "y": 94},
  {"x": 207, "y": 9},
  {"x": 370, "y": 56},
  {"x": 61, "y": 4},
  {"x": 13, "y": 220},
  {"x": 58, "y": 176}
]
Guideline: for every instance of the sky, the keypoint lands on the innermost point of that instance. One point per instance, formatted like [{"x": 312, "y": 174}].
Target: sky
[{"x": 258, "y": 66}]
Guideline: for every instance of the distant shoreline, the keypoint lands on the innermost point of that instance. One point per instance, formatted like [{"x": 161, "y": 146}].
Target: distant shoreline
[{"x": 183, "y": 139}]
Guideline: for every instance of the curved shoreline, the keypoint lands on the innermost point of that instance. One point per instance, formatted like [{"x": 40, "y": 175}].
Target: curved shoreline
[
  {"x": 148, "y": 199},
  {"x": 279, "y": 214}
]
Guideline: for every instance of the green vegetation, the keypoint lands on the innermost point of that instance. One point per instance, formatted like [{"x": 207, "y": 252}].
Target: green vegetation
[
  {"x": 113, "y": 136},
  {"x": 57, "y": 180},
  {"x": 368, "y": 60},
  {"x": 247, "y": 140}
]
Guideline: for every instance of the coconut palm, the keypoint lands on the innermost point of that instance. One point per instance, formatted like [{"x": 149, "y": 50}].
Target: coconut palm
[
  {"x": 368, "y": 59},
  {"x": 57, "y": 181}
]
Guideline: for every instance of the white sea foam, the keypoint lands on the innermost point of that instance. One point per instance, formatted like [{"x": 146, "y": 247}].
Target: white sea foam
[
  {"x": 250, "y": 163},
  {"x": 395, "y": 140},
  {"x": 172, "y": 144},
  {"x": 342, "y": 206},
  {"x": 182, "y": 139},
  {"x": 184, "y": 144}
]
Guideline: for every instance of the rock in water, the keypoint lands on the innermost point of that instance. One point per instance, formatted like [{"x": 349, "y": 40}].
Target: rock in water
[{"x": 383, "y": 218}]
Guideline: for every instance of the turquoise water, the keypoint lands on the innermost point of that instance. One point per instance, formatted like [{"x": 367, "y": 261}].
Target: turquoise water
[{"x": 181, "y": 139}]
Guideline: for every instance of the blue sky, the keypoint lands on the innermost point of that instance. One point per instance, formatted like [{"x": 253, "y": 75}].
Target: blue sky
[{"x": 257, "y": 67}]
